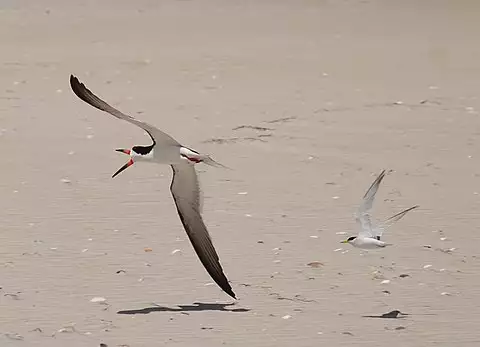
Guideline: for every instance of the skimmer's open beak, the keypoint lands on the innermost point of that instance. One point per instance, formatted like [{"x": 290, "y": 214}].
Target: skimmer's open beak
[
  {"x": 129, "y": 163},
  {"x": 126, "y": 151}
]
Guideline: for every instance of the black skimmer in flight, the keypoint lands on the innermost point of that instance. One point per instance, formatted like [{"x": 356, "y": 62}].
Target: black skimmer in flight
[{"x": 184, "y": 187}]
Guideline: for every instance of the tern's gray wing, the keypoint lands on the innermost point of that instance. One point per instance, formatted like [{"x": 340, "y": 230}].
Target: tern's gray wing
[
  {"x": 363, "y": 214},
  {"x": 378, "y": 231},
  {"x": 186, "y": 193},
  {"x": 86, "y": 95}
]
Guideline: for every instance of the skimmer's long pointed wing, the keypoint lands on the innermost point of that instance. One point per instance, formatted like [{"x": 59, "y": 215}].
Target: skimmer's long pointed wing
[
  {"x": 186, "y": 193},
  {"x": 86, "y": 95}
]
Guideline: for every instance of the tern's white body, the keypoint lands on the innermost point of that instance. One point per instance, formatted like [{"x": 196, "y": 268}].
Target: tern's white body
[
  {"x": 369, "y": 235},
  {"x": 368, "y": 243}
]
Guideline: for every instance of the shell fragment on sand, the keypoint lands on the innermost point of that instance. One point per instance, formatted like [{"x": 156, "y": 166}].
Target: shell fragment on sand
[{"x": 98, "y": 299}]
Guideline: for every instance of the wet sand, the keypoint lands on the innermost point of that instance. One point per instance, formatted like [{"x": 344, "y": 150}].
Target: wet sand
[{"x": 330, "y": 92}]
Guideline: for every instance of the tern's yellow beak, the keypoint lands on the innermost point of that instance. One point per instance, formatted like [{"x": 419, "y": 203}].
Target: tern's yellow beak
[{"x": 345, "y": 241}]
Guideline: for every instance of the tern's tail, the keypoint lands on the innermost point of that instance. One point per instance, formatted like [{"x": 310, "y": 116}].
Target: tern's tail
[{"x": 209, "y": 161}]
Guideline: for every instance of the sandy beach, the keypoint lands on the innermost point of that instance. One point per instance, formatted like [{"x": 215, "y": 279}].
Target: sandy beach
[{"x": 306, "y": 101}]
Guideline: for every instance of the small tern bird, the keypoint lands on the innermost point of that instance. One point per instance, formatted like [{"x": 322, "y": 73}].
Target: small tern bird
[
  {"x": 184, "y": 187},
  {"x": 369, "y": 235}
]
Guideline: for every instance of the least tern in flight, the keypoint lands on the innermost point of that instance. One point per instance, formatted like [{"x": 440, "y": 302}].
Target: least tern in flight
[
  {"x": 369, "y": 235},
  {"x": 184, "y": 187}
]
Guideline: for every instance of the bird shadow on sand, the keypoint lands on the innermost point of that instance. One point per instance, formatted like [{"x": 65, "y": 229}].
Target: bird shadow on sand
[{"x": 186, "y": 309}]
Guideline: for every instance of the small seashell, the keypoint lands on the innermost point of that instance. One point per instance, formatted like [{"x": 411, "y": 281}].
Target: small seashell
[
  {"x": 175, "y": 251},
  {"x": 315, "y": 264},
  {"x": 385, "y": 282},
  {"x": 98, "y": 299},
  {"x": 14, "y": 336},
  {"x": 287, "y": 316},
  {"x": 427, "y": 266},
  {"x": 66, "y": 330}
]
